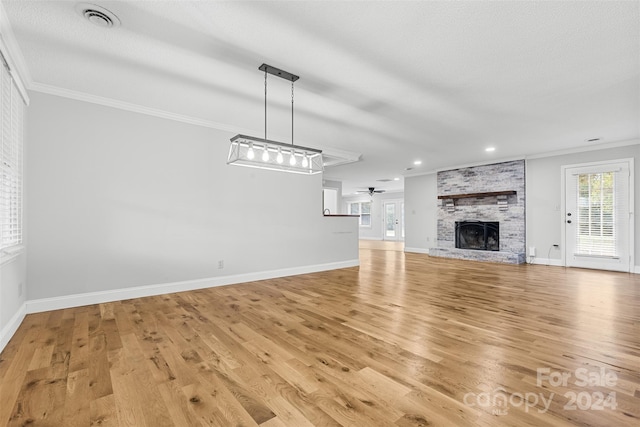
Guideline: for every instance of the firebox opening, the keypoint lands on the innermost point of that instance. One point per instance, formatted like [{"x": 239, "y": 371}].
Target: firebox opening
[{"x": 478, "y": 235}]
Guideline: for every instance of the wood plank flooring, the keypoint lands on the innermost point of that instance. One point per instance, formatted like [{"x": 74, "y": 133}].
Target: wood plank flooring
[{"x": 403, "y": 340}]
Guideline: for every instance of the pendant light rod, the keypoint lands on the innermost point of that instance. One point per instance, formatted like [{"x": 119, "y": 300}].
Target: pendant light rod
[
  {"x": 265, "y": 105},
  {"x": 278, "y": 72}
]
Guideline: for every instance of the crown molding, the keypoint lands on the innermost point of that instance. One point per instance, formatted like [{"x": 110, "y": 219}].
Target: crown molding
[
  {"x": 576, "y": 150},
  {"x": 556, "y": 153},
  {"x": 465, "y": 165},
  {"x": 350, "y": 157},
  {"x": 343, "y": 155},
  {"x": 136, "y": 108}
]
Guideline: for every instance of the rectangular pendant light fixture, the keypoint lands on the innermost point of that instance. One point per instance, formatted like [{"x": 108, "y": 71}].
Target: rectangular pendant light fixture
[
  {"x": 263, "y": 153},
  {"x": 273, "y": 155}
]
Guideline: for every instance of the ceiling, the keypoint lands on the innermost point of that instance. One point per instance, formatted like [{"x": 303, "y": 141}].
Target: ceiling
[{"x": 393, "y": 81}]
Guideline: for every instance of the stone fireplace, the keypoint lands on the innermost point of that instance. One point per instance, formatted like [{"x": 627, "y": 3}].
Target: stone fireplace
[{"x": 482, "y": 213}]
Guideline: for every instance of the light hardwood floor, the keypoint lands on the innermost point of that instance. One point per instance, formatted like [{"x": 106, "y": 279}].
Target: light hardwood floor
[{"x": 404, "y": 340}]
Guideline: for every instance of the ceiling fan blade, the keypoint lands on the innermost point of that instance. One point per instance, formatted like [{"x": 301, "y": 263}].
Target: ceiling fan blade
[{"x": 371, "y": 191}]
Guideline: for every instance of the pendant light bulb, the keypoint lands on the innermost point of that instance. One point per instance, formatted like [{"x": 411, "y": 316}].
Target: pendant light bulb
[
  {"x": 305, "y": 161},
  {"x": 279, "y": 157},
  {"x": 292, "y": 159},
  {"x": 251, "y": 154},
  {"x": 265, "y": 154}
]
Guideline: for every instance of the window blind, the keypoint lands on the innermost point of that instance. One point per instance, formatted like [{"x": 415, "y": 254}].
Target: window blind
[
  {"x": 601, "y": 209},
  {"x": 11, "y": 134}
]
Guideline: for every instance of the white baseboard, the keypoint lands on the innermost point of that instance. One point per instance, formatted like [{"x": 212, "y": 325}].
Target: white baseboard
[
  {"x": 77, "y": 300},
  {"x": 10, "y": 328},
  {"x": 371, "y": 238},
  {"x": 417, "y": 250},
  {"x": 558, "y": 263},
  {"x": 546, "y": 261}
]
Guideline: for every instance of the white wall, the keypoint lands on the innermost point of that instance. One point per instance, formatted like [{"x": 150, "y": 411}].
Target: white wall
[
  {"x": 421, "y": 213},
  {"x": 544, "y": 197},
  {"x": 376, "y": 231},
  {"x": 119, "y": 199}
]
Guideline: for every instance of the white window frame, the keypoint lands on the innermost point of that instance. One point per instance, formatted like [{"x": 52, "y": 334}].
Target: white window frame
[
  {"x": 359, "y": 213},
  {"x": 11, "y": 165}
]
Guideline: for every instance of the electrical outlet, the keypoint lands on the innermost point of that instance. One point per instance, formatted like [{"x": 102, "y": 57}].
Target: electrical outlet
[
  {"x": 220, "y": 264},
  {"x": 532, "y": 251}
]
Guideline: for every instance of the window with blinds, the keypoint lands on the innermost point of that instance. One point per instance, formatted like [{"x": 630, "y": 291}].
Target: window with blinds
[
  {"x": 597, "y": 214},
  {"x": 11, "y": 122},
  {"x": 364, "y": 210}
]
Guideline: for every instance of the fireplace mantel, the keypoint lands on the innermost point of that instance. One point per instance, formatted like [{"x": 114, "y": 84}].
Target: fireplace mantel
[
  {"x": 478, "y": 195},
  {"x": 502, "y": 197}
]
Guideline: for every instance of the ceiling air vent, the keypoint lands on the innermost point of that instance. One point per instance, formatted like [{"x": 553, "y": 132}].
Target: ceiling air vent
[{"x": 98, "y": 15}]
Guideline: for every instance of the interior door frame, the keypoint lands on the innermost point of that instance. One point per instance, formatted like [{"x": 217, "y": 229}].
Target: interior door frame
[{"x": 563, "y": 206}]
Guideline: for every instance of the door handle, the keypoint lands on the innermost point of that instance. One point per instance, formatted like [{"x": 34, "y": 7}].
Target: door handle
[{"x": 568, "y": 221}]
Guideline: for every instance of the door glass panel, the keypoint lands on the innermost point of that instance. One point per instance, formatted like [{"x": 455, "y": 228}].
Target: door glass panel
[
  {"x": 596, "y": 227},
  {"x": 390, "y": 219}
]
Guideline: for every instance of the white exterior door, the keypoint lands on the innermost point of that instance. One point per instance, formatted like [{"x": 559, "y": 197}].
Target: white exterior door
[
  {"x": 598, "y": 221},
  {"x": 393, "y": 220}
]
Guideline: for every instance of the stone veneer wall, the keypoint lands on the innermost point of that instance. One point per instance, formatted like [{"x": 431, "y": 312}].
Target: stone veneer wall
[{"x": 479, "y": 179}]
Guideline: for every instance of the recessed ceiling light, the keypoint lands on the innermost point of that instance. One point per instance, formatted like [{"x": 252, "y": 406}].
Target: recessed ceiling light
[
  {"x": 417, "y": 162},
  {"x": 396, "y": 179},
  {"x": 490, "y": 149}
]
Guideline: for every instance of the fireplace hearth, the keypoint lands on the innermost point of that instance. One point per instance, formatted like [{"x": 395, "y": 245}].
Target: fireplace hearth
[{"x": 478, "y": 235}]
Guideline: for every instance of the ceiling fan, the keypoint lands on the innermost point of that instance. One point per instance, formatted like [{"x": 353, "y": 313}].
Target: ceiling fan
[{"x": 371, "y": 191}]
